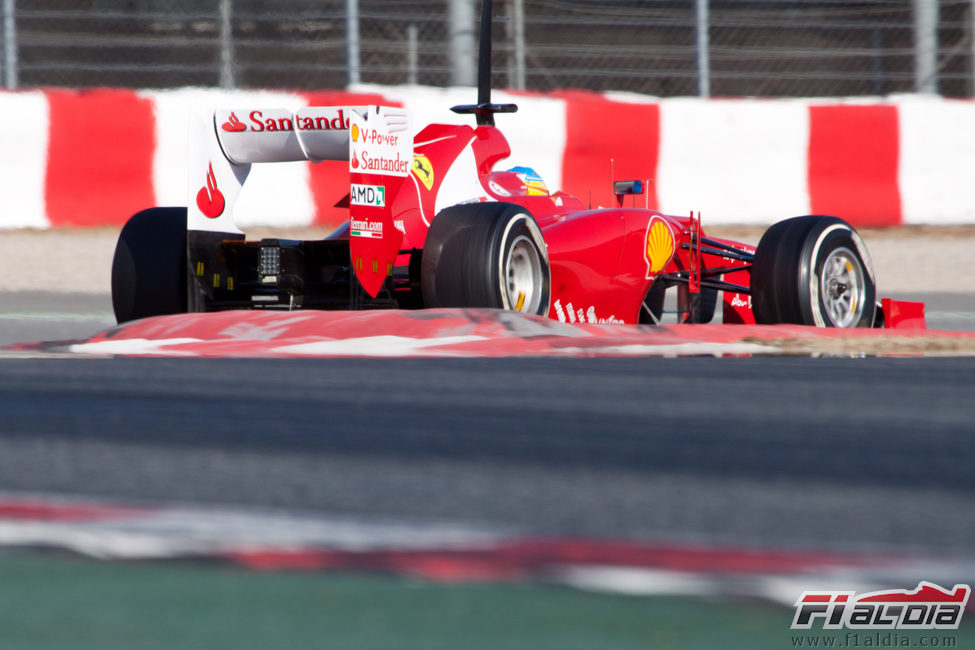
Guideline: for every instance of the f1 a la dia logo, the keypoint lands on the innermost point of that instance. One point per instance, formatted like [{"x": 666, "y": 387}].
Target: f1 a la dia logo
[
  {"x": 370, "y": 195},
  {"x": 929, "y": 607}
]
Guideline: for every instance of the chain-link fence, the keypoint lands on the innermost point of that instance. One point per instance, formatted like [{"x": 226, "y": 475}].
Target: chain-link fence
[{"x": 657, "y": 47}]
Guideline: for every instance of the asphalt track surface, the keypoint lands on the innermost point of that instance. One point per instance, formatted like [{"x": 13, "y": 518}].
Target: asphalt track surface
[
  {"x": 49, "y": 316},
  {"x": 868, "y": 454}
]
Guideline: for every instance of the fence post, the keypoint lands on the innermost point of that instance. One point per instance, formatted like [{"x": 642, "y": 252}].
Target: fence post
[
  {"x": 702, "y": 18},
  {"x": 412, "y": 54},
  {"x": 352, "y": 61},
  {"x": 226, "y": 44},
  {"x": 460, "y": 30},
  {"x": 9, "y": 45},
  {"x": 926, "y": 46},
  {"x": 518, "y": 83}
]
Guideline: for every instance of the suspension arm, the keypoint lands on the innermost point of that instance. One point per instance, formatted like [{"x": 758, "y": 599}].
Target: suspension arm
[
  {"x": 682, "y": 277},
  {"x": 717, "y": 248}
]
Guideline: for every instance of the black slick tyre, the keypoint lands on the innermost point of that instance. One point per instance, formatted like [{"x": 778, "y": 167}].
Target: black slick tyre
[
  {"x": 701, "y": 307},
  {"x": 486, "y": 255},
  {"x": 813, "y": 270},
  {"x": 149, "y": 267}
]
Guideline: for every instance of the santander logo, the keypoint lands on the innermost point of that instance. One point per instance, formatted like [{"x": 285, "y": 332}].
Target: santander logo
[
  {"x": 209, "y": 199},
  {"x": 233, "y": 125},
  {"x": 280, "y": 120}
]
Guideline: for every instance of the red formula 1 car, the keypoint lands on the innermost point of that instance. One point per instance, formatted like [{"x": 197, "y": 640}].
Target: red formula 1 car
[{"x": 436, "y": 221}]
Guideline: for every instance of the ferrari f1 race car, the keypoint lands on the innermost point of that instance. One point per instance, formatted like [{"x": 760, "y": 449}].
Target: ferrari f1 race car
[{"x": 434, "y": 221}]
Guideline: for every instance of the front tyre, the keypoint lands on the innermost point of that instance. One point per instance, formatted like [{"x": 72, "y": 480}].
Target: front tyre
[
  {"x": 486, "y": 255},
  {"x": 813, "y": 270}
]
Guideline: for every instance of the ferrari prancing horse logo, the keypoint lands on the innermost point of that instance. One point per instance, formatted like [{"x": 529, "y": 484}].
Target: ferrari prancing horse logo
[{"x": 423, "y": 170}]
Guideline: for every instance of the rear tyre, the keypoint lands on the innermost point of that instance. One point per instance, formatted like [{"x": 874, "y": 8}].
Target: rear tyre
[
  {"x": 149, "y": 268},
  {"x": 702, "y": 306},
  {"x": 486, "y": 255},
  {"x": 813, "y": 270}
]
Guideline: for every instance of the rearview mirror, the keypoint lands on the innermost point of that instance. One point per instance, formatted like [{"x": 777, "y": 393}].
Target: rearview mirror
[{"x": 627, "y": 187}]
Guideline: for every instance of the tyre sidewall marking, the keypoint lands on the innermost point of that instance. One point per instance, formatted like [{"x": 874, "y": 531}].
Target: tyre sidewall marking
[
  {"x": 861, "y": 248},
  {"x": 814, "y": 298},
  {"x": 815, "y": 269},
  {"x": 536, "y": 235}
]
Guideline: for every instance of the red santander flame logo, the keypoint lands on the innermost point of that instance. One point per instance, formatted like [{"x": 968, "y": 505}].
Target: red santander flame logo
[
  {"x": 209, "y": 199},
  {"x": 233, "y": 125}
]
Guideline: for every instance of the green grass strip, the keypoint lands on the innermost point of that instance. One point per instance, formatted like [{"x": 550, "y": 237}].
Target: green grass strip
[{"x": 54, "y": 602}]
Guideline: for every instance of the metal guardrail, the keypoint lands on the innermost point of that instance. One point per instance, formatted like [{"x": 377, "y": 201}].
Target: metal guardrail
[{"x": 660, "y": 47}]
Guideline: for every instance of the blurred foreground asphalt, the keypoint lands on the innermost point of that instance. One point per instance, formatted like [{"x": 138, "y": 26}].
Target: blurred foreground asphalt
[{"x": 863, "y": 454}]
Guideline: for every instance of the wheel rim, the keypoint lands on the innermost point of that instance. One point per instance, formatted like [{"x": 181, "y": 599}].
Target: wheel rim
[
  {"x": 843, "y": 288},
  {"x": 523, "y": 276}
]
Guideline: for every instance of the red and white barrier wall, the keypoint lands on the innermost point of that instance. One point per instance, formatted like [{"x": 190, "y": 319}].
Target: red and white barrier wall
[{"x": 92, "y": 158}]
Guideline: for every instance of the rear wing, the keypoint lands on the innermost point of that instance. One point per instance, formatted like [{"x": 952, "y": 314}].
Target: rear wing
[{"x": 223, "y": 147}]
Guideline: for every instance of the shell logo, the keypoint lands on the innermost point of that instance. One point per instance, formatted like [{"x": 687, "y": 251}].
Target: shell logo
[
  {"x": 660, "y": 245},
  {"x": 355, "y": 133}
]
